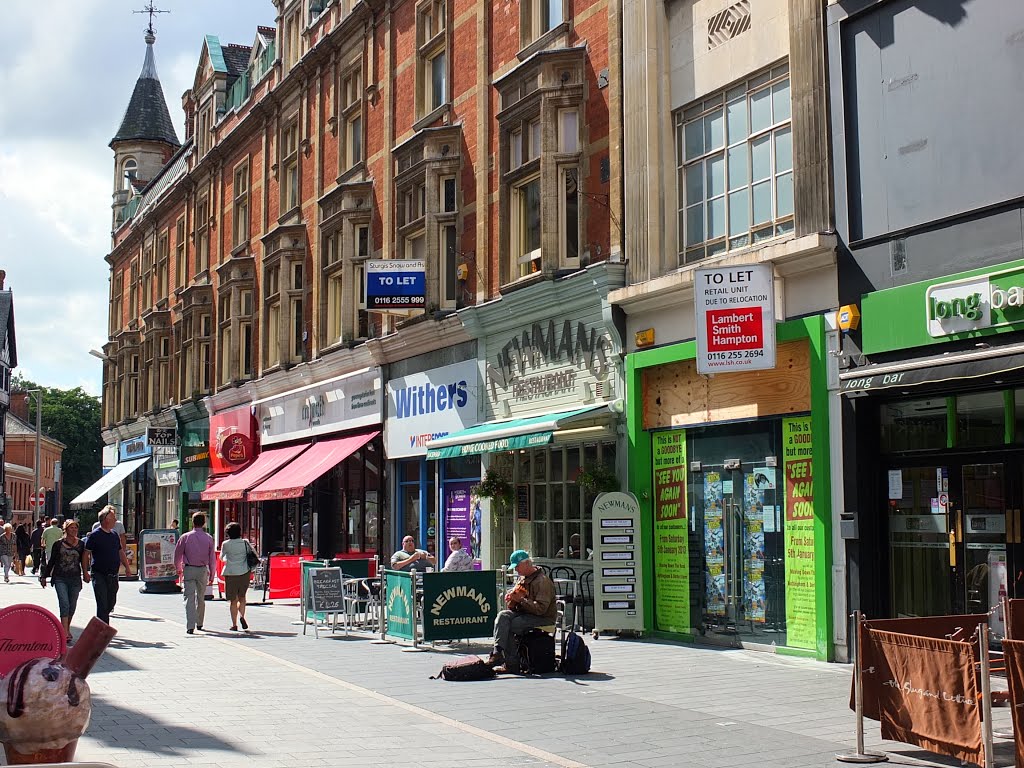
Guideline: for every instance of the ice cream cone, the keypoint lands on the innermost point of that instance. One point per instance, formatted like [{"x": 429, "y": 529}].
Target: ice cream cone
[{"x": 65, "y": 754}]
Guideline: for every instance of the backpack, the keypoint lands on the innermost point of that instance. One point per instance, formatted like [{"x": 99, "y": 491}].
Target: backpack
[
  {"x": 575, "y": 656},
  {"x": 468, "y": 668},
  {"x": 537, "y": 653}
]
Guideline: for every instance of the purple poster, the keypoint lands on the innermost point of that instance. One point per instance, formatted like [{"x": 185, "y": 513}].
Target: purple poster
[{"x": 462, "y": 518}]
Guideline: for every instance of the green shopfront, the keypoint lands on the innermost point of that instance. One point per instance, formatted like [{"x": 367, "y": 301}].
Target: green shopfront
[
  {"x": 733, "y": 479},
  {"x": 934, "y": 426}
]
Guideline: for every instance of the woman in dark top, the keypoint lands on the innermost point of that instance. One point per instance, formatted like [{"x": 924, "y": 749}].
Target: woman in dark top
[
  {"x": 24, "y": 546},
  {"x": 65, "y": 566}
]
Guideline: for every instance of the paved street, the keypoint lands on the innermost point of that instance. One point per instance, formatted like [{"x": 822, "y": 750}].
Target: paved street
[{"x": 275, "y": 698}]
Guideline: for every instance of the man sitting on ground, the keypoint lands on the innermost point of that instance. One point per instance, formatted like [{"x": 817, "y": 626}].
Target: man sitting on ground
[
  {"x": 530, "y": 603},
  {"x": 408, "y": 558},
  {"x": 459, "y": 559}
]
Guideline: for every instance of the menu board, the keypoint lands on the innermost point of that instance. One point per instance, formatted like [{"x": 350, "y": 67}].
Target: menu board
[
  {"x": 798, "y": 470},
  {"x": 325, "y": 590},
  {"x": 671, "y": 545},
  {"x": 618, "y": 563},
  {"x": 157, "y": 548}
]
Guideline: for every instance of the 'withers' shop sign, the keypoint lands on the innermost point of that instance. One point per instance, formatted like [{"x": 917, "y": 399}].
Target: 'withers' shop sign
[
  {"x": 134, "y": 448},
  {"x": 429, "y": 406},
  {"x": 545, "y": 360},
  {"x": 972, "y": 304},
  {"x": 346, "y": 402},
  {"x": 458, "y": 605}
]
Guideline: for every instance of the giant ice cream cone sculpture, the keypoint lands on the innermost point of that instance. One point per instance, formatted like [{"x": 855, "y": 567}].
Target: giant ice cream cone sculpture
[{"x": 47, "y": 703}]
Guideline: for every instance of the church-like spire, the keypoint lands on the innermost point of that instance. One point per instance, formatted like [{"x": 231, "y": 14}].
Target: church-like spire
[{"x": 147, "y": 117}]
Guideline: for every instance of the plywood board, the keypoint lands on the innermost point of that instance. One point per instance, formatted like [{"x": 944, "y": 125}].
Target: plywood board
[{"x": 675, "y": 395}]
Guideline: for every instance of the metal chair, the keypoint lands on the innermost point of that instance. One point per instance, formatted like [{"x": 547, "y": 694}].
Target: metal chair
[{"x": 586, "y": 598}]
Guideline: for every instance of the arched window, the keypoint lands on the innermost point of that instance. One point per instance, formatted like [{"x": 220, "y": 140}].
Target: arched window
[{"x": 131, "y": 170}]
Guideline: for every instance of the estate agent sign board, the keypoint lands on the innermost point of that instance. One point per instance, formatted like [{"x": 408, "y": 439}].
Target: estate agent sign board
[{"x": 735, "y": 318}]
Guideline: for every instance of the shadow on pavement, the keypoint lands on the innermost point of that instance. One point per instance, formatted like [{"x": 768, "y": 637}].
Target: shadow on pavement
[
  {"x": 257, "y": 634},
  {"x": 119, "y": 642},
  {"x": 124, "y": 617},
  {"x": 143, "y": 727}
]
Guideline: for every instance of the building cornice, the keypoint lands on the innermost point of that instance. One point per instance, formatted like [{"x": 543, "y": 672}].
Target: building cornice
[{"x": 788, "y": 258}]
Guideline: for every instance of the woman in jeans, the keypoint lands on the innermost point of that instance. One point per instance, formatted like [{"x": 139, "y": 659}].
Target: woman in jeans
[
  {"x": 235, "y": 573},
  {"x": 8, "y": 550},
  {"x": 24, "y": 548},
  {"x": 66, "y": 566}
]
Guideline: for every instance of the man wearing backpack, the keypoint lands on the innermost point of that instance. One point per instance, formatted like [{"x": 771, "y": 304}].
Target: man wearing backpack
[{"x": 530, "y": 603}]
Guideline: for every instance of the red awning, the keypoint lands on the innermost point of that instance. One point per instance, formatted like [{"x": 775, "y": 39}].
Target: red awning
[
  {"x": 290, "y": 481},
  {"x": 235, "y": 485}
]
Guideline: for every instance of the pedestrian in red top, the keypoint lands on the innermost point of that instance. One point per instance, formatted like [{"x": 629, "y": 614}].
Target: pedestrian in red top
[{"x": 195, "y": 559}]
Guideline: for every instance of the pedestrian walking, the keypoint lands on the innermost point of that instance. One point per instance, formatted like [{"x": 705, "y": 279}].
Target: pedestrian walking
[
  {"x": 234, "y": 554},
  {"x": 24, "y": 547},
  {"x": 66, "y": 569},
  {"x": 51, "y": 533},
  {"x": 38, "y": 553},
  {"x": 104, "y": 557},
  {"x": 195, "y": 561},
  {"x": 8, "y": 550}
]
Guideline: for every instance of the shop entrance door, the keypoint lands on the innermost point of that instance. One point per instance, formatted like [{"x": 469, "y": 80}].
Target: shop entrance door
[
  {"x": 741, "y": 520},
  {"x": 948, "y": 535}
]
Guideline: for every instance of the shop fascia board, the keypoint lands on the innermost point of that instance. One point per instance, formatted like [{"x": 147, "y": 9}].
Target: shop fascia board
[
  {"x": 506, "y": 313},
  {"x": 303, "y": 375},
  {"x": 792, "y": 257}
]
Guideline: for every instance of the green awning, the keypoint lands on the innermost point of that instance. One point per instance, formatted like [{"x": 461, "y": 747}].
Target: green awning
[{"x": 508, "y": 435}]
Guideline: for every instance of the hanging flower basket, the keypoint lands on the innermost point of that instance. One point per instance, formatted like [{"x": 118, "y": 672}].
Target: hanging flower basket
[
  {"x": 494, "y": 486},
  {"x": 598, "y": 479}
]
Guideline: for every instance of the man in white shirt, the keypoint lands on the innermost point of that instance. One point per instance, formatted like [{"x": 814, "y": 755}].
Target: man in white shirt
[{"x": 459, "y": 559}]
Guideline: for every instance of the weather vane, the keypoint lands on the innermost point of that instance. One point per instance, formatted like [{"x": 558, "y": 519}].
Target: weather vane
[{"x": 150, "y": 9}]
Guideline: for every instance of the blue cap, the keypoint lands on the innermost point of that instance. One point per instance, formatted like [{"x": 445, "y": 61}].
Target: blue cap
[{"x": 517, "y": 557}]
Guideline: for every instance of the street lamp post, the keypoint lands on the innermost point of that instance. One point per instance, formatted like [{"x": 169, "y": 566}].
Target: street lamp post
[{"x": 39, "y": 425}]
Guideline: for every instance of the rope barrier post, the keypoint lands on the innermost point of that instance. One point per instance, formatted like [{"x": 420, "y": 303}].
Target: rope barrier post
[
  {"x": 1004, "y": 606},
  {"x": 860, "y": 755},
  {"x": 986, "y": 696}
]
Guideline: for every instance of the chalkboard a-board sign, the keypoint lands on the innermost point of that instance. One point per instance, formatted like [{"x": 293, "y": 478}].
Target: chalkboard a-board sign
[
  {"x": 325, "y": 586},
  {"x": 522, "y": 502}
]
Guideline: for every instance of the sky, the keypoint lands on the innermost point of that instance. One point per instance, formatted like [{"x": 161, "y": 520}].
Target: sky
[{"x": 66, "y": 76}]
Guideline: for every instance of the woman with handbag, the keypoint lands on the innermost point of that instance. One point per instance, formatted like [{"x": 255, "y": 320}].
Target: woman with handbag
[
  {"x": 237, "y": 555},
  {"x": 66, "y": 569},
  {"x": 24, "y": 547}
]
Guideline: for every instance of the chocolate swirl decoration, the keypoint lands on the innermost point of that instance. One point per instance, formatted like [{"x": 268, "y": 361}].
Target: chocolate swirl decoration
[{"x": 50, "y": 673}]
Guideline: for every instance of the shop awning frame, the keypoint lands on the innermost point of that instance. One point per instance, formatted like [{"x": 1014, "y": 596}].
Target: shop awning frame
[
  {"x": 234, "y": 486},
  {"x": 512, "y": 434},
  {"x": 291, "y": 480},
  {"x": 934, "y": 369},
  {"x": 106, "y": 484}
]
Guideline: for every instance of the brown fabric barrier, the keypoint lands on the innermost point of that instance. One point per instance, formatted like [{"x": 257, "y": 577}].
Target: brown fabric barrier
[
  {"x": 1015, "y": 619},
  {"x": 962, "y": 626},
  {"x": 1013, "y": 652},
  {"x": 929, "y": 694}
]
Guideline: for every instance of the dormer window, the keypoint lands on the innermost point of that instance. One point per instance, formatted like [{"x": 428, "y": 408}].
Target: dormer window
[{"x": 129, "y": 173}]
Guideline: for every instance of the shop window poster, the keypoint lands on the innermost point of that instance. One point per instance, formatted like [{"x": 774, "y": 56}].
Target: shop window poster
[
  {"x": 753, "y": 550},
  {"x": 798, "y": 471},
  {"x": 671, "y": 546},
  {"x": 714, "y": 545}
]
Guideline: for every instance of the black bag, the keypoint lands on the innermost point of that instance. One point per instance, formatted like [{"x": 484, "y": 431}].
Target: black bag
[
  {"x": 251, "y": 558},
  {"x": 575, "y": 656},
  {"x": 537, "y": 653},
  {"x": 468, "y": 668}
]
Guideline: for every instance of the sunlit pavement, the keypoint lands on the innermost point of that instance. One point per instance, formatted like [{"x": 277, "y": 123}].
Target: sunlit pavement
[{"x": 273, "y": 697}]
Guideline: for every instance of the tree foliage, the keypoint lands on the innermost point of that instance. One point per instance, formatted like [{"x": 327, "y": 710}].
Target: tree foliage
[{"x": 71, "y": 416}]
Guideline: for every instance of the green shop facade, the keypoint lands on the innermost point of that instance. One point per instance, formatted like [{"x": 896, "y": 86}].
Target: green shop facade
[
  {"x": 934, "y": 427},
  {"x": 732, "y": 475}
]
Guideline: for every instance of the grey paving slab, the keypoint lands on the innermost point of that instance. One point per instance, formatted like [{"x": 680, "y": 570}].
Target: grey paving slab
[{"x": 273, "y": 697}]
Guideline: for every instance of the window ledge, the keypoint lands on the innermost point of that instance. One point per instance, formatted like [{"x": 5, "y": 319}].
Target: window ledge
[
  {"x": 239, "y": 250},
  {"x": 544, "y": 40},
  {"x": 433, "y": 116},
  {"x": 291, "y": 213},
  {"x": 523, "y": 282},
  {"x": 356, "y": 170}
]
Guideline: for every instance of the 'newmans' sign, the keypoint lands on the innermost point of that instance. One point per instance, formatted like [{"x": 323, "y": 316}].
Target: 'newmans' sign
[
  {"x": 459, "y": 605},
  {"x": 735, "y": 318}
]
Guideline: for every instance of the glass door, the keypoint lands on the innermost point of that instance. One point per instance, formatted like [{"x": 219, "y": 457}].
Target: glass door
[
  {"x": 743, "y": 555},
  {"x": 984, "y": 536},
  {"x": 921, "y": 557}
]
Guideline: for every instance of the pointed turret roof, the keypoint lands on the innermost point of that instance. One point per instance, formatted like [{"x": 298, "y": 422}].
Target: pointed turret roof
[{"x": 147, "y": 118}]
